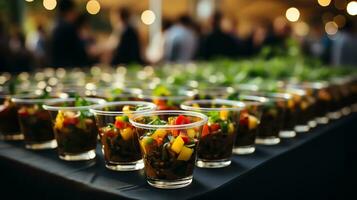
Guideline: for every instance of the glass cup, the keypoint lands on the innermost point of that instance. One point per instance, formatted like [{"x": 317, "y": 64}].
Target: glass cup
[
  {"x": 35, "y": 122},
  {"x": 74, "y": 127},
  {"x": 272, "y": 119},
  {"x": 219, "y": 134},
  {"x": 120, "y": 144},
  {"x": 304, "y": 109},
  {"x": 168, "y": 141},
  {"x": 9, "y": 126},
  {"x": 249, "y": 122}
]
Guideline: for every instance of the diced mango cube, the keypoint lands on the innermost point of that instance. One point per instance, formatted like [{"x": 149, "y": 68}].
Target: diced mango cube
[
  {"x": 191, "y": 133},
  {"x": 185, "y": 154},
  {"x": 127, "y": 133},
  {"x": 159, "y": 133},
  {"x": 253, "y": 122},
  {"x": 59, "y": 120},
  {"x": 231, "y": 128},
  {"x": 223, "y": 114},
  {"x": 177, "y": 144}
]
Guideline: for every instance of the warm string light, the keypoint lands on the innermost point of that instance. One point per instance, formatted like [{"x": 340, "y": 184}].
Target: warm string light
[
  {"x": 93, "y": 7},
  {"x": 49, "y": 4},
  {"x": 324, "y": 3},
  {"x": 352, "y": 8},
  {"x": 292, "y": 14},
  {"x": 148, "y": 17}
]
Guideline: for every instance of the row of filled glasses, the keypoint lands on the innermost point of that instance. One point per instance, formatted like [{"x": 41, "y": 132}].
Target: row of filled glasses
[{"x": 167, "y": 135}]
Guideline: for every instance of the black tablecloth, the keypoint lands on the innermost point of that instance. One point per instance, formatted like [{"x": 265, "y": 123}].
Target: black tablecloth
[{"x": 318, "y": 164}]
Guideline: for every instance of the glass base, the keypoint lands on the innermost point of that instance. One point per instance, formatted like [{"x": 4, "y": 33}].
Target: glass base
[
  {"x": 334, "y": 115},
  {"x": 77, "y": 157},
  {"x": 170, "y": 184},
  {"x": 322, "y": 120},
  {"x": 267, "y": 141},
  {"x": 346, "y": 111},
  {"x": 12, "y": 137},
  {"x": 287, "y": 134},
  {"x": 128, "y": 166},
  {"x": 52, "y": 144},
  {"x": 302, "y": 128},
  {"x": 212, "y": 163},
  {"x": 244, "y": 150},
  {"x": 312, "y": 123}
]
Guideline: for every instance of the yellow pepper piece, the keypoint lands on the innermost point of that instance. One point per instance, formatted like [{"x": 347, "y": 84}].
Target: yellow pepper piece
[
  {"x": 126, "y": 133},
  {"x": 223, "y": 114},
  {"x": 231, "y": 128},
  {"x": 191, "y": 133},
  {"x": 177, "y": 144},
  {"x": 253, "y": 122},
  {"x": 59, "y": 120},
  {"x": 159, "y": 133},
  {"x": 185, "y": 154},
  {"x": 195, "y": 105},
  {"x": 127, "y": 111}
]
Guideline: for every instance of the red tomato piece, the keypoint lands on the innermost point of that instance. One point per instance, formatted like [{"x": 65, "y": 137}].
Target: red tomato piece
[
  {"x": 214, "y": 127},
  {"x": 205, "y": 130},
  {"x": 182, "y": 120},
  {"x": 70, "y": 121},
  {"x": 119, "y": 124}
]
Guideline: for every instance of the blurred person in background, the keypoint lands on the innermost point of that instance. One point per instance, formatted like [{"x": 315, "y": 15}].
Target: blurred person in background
[
  {"x": 67, "y": 48},
  {"x": 219, "y": 43},
  {"x": 37, "y": 43},
  {"x": 87, "y": 38},
  {"x": 181, "y": 41},
  {"x": 20, "y": 58},
  {"x": 344, "y": 46},
  {"x": 128, "y": 45}
]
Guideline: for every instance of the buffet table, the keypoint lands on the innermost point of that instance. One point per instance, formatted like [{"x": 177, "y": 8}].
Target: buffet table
[{"x": 314, "y": 164}]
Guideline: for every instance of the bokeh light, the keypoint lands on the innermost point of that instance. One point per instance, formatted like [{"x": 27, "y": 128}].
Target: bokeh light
[
  {"x": 352, "y": 8},
  {"x": 331, "y": 28},
  {"x": 49, "y": 4},
  {"x": 292, "y": 14},
  {"x": 324, "y": 3},
  {"x": 301, "y": 28},
  {"x": 93, "y": 7},
  {"x": 148, "y": 17}
]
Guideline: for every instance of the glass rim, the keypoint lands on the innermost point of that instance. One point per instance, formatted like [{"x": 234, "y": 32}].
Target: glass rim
[
  {"x": 95, "y": 108},
  {"x": 26, "y": 99},
  {"x": 50, "y": 107},
  {"x": 203, "y": 120},
  {"x": 187, "y": 105},
  {"x": 252, "y": 99}
]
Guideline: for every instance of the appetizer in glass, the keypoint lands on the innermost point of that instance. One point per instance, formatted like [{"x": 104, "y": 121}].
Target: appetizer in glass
[
  {"x": 120, "y": 144},
  {"x": 249, "y": 121},
  {"x": 219, "y": 134},
  {"x": 35, "y": 122},
  {"x": 74, "y": 127},
  {"x": 168, "y": 142},
  {"x": 9, "y": 126}
]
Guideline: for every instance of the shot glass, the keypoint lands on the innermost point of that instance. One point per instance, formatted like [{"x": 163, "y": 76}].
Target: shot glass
[
  {"x": 120, "y": 144},
  {"x": 249, "y": 121},
  {"x": 35, "y": 122},
  {"x": 219, "y": 134},
  {"x": 9, "y": 126},
  {"x": 272, "y": 119},
  {"x": 74, "y": 127},
  {"x": 168, "y": 141}
]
